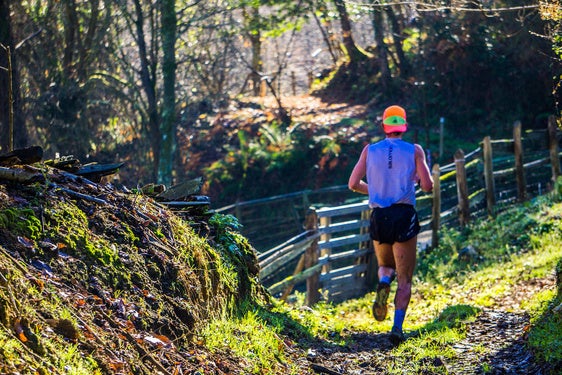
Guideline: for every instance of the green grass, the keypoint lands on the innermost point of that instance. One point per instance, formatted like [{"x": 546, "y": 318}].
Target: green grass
[
  {"x": 545, "y": 339},
  {"x": 252, "y": 338}
]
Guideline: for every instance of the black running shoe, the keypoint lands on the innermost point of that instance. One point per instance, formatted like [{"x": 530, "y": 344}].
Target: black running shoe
[
  {"x": 396, "y": 336},
  {"x": 379, "y": 306}
]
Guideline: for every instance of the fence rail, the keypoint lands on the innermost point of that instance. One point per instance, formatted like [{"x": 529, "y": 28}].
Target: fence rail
[{"x": 334, "y": 253}]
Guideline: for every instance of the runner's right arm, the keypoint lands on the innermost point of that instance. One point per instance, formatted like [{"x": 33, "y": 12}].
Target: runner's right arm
[
  {"x": 356, "y": 182},
  {"x": 422, "y": 170}
]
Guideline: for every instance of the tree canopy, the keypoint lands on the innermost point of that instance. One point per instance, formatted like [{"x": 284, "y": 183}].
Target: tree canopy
[{"x": 139, "y": 80}]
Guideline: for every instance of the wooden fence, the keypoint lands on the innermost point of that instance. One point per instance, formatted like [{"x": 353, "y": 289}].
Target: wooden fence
[
  {"x": 269, "y": 221},
  {"x": 333, "y": 254}
]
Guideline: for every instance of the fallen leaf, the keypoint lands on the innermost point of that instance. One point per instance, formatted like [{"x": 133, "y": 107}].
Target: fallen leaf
[{"x": 18, "y": 328}]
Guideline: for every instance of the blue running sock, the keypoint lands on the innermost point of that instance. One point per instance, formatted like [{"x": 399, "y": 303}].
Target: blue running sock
[
  {"x": 399, "y": 316},
  {"x": 386, "y": 279}
]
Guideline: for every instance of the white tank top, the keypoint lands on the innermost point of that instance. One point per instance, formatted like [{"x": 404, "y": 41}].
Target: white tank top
[{"x": 391, "y": 173}]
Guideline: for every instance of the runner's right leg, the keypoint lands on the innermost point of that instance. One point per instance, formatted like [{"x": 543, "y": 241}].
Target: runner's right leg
[{"x": 405, "y": 258}]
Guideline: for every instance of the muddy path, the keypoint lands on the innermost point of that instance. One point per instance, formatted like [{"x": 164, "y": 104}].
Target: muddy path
[
  {"x": 501, "y": 333},
  {"x": 495, "y": 343}
]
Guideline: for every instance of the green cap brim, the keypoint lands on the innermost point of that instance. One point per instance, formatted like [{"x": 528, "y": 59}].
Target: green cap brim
[{"x": 394, "y": 121}]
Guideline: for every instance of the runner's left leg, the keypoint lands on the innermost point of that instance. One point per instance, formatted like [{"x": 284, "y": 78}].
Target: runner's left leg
[
  {"x": 385, "y": 259},
  {"x": 405, "y": 259}
]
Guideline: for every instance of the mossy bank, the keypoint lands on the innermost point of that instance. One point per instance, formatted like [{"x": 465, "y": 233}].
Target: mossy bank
[{"x": 93, "y": 280}]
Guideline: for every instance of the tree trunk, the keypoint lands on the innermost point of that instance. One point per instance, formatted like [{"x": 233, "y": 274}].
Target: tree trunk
[
  {"x": 354, "y": 53},
  {"x": 70, "y": 24},
  {"x": 148, "y": 80},
  {"x": 253, "y": 31},
  {"x": 6, "y": 39},
  {"x": 398, "y": 39},
  {"x": 326, "y": 38},
  {"x": 86, "y": 47},
  {"x": 382, "y": 50},
  {"x": 6, "y": 54},
  {"x": 168, "y": 125}
]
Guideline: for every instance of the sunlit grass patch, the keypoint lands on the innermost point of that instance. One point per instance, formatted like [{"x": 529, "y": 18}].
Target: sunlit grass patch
[
  {"x": 497, "y": 269},
  {"x": 10, "y": 350},
  {"x": 252, "y": 339},
  {"x": 426, "y": 353},
  {"x": 71, "y": 361},
  {"x": 539, "y": 304},
  {"x": 545, "y": 333},
  {"x": 545, "y": 336},
  {"x": 330, "y": 321},
  {"x": 449, "y": 292}
]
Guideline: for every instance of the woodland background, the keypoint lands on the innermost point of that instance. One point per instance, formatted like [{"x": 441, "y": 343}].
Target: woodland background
[{"x": 162, "y": 85}]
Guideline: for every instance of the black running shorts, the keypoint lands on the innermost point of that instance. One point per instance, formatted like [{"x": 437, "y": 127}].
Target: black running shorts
[{"x": 397, "y": 223}]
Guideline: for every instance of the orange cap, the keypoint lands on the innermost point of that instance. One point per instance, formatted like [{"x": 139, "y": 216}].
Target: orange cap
[{"x": 394, "y": 119}]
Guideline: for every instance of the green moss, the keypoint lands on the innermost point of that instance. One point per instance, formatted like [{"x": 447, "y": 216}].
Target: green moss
[
  {"x": 31, "y": 308},
  {"x": 129, "y": 234},
  {"x": 21, "y": 222},
  {"x": 69, "y": 224},
  {"x": 65, "y": 223},
  {"x": 236, "y": 252},
  {"x": 173, "y": 287}
]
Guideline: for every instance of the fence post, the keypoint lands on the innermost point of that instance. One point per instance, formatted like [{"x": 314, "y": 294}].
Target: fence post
[
  {"x": 369, "y": 259},
  {"x": 436, "y": 208},
  {"x": 289, "y": 288},
  {"x": 462, "y": 188},
  {"x": 311, "y": 259},
  {"x": 325, "y": 223},
  {"x": 489, "y": 175},
  {"x": 553, "y": 147},
  {"x": 519, "y": 169}
]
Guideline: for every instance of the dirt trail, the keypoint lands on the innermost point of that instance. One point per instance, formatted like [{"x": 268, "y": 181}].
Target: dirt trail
[{"x": 494, "y": 344}]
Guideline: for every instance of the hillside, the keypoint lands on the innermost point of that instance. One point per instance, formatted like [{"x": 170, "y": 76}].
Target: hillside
[
  {"x": 94, "y": 280},
  {"x": 246, "y": 142}
]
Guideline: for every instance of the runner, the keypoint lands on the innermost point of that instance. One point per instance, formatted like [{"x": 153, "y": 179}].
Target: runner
[{"x": 391, "y": 168}]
